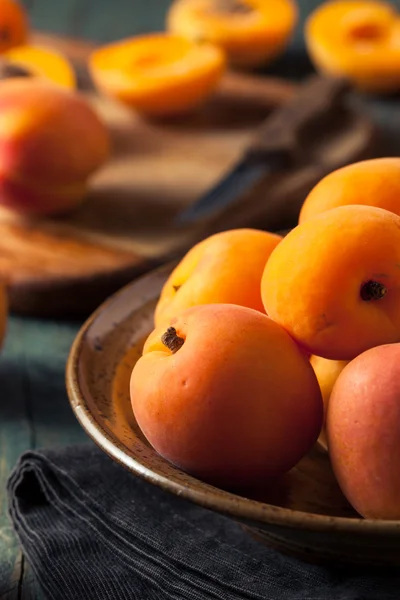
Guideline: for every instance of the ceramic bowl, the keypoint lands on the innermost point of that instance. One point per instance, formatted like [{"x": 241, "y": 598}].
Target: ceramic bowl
[{"x": 305, "y": 514}]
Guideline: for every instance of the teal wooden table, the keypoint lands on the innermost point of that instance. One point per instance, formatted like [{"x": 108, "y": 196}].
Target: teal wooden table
[{"x": 34, "y": 408}]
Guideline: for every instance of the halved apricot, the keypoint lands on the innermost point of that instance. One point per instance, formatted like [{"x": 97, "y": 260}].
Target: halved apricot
[
  {"x": 158, "y": 74},
  {"x": 251, "y": 32},
  {"x": 44, "y": 63},
  {"x": 357, "y": 39}
]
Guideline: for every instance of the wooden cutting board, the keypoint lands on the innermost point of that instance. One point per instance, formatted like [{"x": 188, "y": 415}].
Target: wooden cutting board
[{"x": 66, "y": 266}]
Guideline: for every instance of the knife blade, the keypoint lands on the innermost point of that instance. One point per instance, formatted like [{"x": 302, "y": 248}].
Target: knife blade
[{"x": 274, "y": 147}]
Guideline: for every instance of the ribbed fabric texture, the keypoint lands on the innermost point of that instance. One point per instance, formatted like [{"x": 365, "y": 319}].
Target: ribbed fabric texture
[{"x": 93, "y": 531}]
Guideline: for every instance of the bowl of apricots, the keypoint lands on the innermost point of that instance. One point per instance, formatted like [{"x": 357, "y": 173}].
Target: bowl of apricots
[{"x": 259, "y": 375}]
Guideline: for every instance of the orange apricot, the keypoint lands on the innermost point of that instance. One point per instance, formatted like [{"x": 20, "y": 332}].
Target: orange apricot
[
  {"x": 51, "y": 143},
  {"x": 373, "y": 182},
  {"x": 14, "y": 27},
  {"x": 223, "y": 268},
  {"x": 225, "y": 394},
  {"x": 158, "y": 74},
  {"x": 327, "y": 371},
  {"x": 43, "y": 63},
  {"x": 357, "y": 39},
  {"x": 251, "y": 32},
  {"x": 334, "y": 281}
]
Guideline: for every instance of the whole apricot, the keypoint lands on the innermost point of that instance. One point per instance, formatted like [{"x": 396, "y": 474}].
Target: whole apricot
[
  {"x": 158, "y": 74},
  {"x": 363, "y": 424},
  {"x": 358, "y": 40},
  {"x": 224, "y": 268},
  {"x": 373, "y": 182},
  {"x": 225, "y": 394},
  {"x": 334, "y": 281},
  {"x": 327, "y": 372},
  {"x": 14, "y": 26},
  {"x": 250, "y": 32},
  {"x": 51, "y": 142}
]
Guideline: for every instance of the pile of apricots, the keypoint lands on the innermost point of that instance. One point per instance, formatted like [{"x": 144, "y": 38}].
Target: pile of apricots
[{"x": 265, "y": 345}]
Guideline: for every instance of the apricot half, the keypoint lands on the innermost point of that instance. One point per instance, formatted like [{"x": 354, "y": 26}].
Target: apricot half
[
  {"x": 158, "y": 74},
  {"x": 334, "y": 281},
  {"x": 357, "y": 39},
  {"x": 51, "y": 142},
  {"x": 224, "y": 268},
  {"x": 251, "y": 32},
  {"x": 225, "y": 394},
  {"x": 374, "y": 182},
  {"x": 43, "y": 63}
]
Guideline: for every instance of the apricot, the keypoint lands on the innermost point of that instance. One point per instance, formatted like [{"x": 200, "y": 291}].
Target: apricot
[
  {"x": 363, "y": 424},
  {"x": 225, "y": 394},
  {"x": 51, "y": 142},
  {"x": 14, "y": 26},
  {"x": 334, "y": 281},
  {"x": 359, "y": 40},
  {"x": 158, "y": 74},
  {"x": 251, "y": 32},
  {"x": 373, "y": 182},
  {"x": 43, "y": 63},
  {"x": 224, "y": 268},
  {"x": 327, "y": 371}
]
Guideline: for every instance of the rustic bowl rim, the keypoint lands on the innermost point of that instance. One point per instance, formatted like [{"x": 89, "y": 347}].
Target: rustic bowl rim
[{"x": 205, "y": 495}]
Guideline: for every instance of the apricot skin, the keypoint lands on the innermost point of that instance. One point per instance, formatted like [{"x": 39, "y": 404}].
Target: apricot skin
[
  {"x": 237, "y": 404},
  {"x": 14, "y": 24},
  {"x": 224, "y": 268},
  {"x": 363, "y": 424},
  {"x": 374, "y": 182},
  {"x": 51, "y": 142},
  {"x": 313, "y": 281}
]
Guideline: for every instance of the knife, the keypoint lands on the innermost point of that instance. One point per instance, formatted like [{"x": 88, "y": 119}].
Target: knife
[{"x": 276, "y": 146}]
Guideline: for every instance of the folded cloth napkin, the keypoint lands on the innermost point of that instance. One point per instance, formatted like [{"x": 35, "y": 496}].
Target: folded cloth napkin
[{"x": 93, "y": 531}]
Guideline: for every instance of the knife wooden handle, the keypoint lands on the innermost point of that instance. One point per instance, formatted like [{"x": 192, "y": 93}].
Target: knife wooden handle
[{"x": 317, "y": 98}]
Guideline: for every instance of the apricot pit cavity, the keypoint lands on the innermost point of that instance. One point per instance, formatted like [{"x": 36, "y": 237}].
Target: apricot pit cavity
[
  {"x": 233, "y": 7},
  {"x": 9, "y": 70}
]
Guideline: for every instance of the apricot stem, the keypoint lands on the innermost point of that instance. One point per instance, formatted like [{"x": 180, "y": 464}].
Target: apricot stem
[
  {"x": 172, "y": 340},
  {"x": 372, "y": 290}
]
